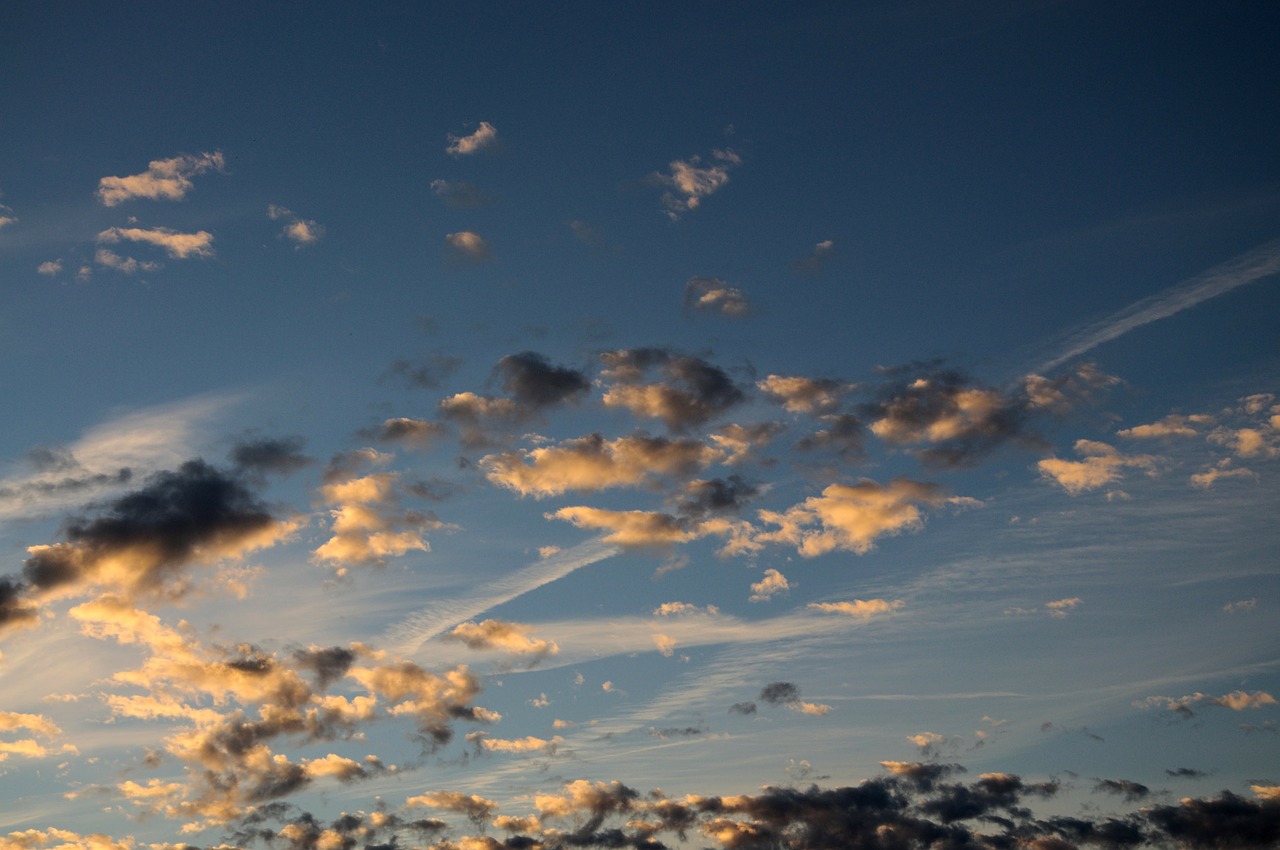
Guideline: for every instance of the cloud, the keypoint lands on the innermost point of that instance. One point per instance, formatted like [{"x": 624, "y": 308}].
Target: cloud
[
  {"x": 282, "y": 455},
  {"x": 460, "y": 195},
  {"x": 715, "y": 496},
  {"x": 467, "y": 245},
  {"x": 593, "y": 463},
  {"x": 1103, "y": 464},
  {"x": 1236, "y": 701},
  {"x": 694, "y": 390},
  {"x": 741, "y": 441},
  {"x": 427, "y": 373},
  {"x": 805, "y": 395},
  {"x": 484, "y": 137},
  {"x": 527, "y": 744},
  {"x": 848, "y": 517},
  {"x": 1242, "y": 605},
  {"x": 508, "y": 637},
  {"x": 645, "y": 529},
  {"x": 125, "y": 265},
  {"x": 1259, "y": 263},
  {"x": 368, "y": 526},
  {"x": 689, "y": 181},
  {"x": 7, "y": 217},
  {"x": 51, "y": 268},
  {"x": 817, "y": 259},
  {"x": 859, "y": 609},
  {"x": 957, "y": 420},
  {"x": 532, "y": 381},
  {"x": 844, "y": 434},
  {"x": 1173, "y": 425},
  {"x": 1128, "y": 789},
  {"x": 1061, "y": 607},
  {"x": 300, "y": 231},
  {"x": 712, "y": 295},
  {"x": 418, "y": 433},
  {"x": 164, "y": 179},
  {"x": 179, "y": 246},
  {"x": 773, "y": 584},
  {"x": 141, "y": 543}
]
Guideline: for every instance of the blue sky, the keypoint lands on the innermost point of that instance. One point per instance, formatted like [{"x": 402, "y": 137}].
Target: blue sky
[{"x": 690, "y": 426}]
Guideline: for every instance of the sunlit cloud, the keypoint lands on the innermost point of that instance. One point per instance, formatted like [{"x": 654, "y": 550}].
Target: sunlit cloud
[
  {"x": 468, "y": 245},
  {"x": 164, "y": 179},
  {"x": 1102, "y": 465},
  {"x": 300, "y": 231},
  {"x": 689, "y": 181},
  {"x": 179, "y": 246},
  {"x": 484, "y": 137}
]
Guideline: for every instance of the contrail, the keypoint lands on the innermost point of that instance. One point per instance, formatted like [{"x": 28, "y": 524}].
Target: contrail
[
  {"x": 1261, "y": 262},
  {"x": 428, "y": 622}
]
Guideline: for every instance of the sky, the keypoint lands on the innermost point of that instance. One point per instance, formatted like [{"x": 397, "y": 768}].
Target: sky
[{"x": 716, "y": 425}]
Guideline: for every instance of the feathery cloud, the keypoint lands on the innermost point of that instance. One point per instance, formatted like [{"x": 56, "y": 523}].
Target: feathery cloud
[{"x": 484, "y": 137}]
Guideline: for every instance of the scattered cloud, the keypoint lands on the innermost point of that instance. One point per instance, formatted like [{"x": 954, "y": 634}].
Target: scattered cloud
[
  {"x": 1236, "y": 701},
  {"x": 692, "y": 392},
  {"x": 164, "y": 179},
  {"x": 179, "y": 246},
  {"x": 859, "y": 609},
  {"x": 467, "y": 245},
  {"x": 712, "y": 295},
  {"x": 484, "y": 137},
  {"x": 300, "y": 231},
  {"x": 460, "y": 195},
  {"x": 773, "y": 584},
  {"x": 124, "y": 265},
  {"x": 1102, "y": 465},
  {"x": 817, "y": 259},
  {"x": 51, "y": 268},
  {"x": 689, "y": 181},
  {"x": 512, "y": 638}
]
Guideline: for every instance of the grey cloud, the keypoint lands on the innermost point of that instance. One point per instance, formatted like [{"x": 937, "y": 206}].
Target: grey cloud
[
  {"x": 533, "y": 381},
  {"x": 279, "y": 455}
]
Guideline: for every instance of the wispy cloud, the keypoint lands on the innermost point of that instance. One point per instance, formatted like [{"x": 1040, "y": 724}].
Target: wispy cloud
[
  {"x": 429, "y": 622},
  {"x": 300, "y": 231},
  {"x": 1246, "y": 268},
  {"x": 179, "y": 246}
]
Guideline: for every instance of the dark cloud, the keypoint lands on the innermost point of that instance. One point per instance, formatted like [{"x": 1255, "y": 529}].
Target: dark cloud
[
  {"x": 745, "y": 708},
  {"x": 779, "y": 693},
  {"x": 424, "y": 374},
  {"x": 411, "y": 432},
  {"x": 534, "y": 382},
  {"x": 955, "y": 420},
  {"x": 433, "y": 489},
  {"x": 716, "y": 495},
  {"x": 327, "y": 663},
  {"x": 844, "y": 434},
  {"x": 692, "y": 392},
  {"x": 460, "y": 195},
  {"x": 281, "y": 455},
  {"x": 1186, "y": 773},
  {"x": 1227, "y": 821},
  {"x": 68, "y": 484},
  {"x": 170, "y": 519},
  {"x": 1130, "y": 790}
]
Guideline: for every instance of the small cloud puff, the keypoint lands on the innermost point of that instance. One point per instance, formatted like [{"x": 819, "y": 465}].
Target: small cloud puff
[
  {"x": 50, "y": 267},
  {"x": 468, "y": 245},
  {"x": 689, "y": 181},
  {"x": 712, "y": 295},
  {"x": 300, "y": 231},
  {"x": 770, "y": 586},
  {"x": 485, "y": 136},
  {"x": 817, "y": 259},
  {"x": 861, "y": 609}
]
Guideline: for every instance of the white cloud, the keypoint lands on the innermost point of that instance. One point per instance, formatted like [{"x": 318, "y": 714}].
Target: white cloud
[
  {"x": 485, "y": 136},
  {"x": 164, "y": 179},
  {"x": 770, "y": 586},
  {"x": 50, "y": 267},
  {"x": 179, "y": 246},
  {"x": 860, "y": 609}
]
